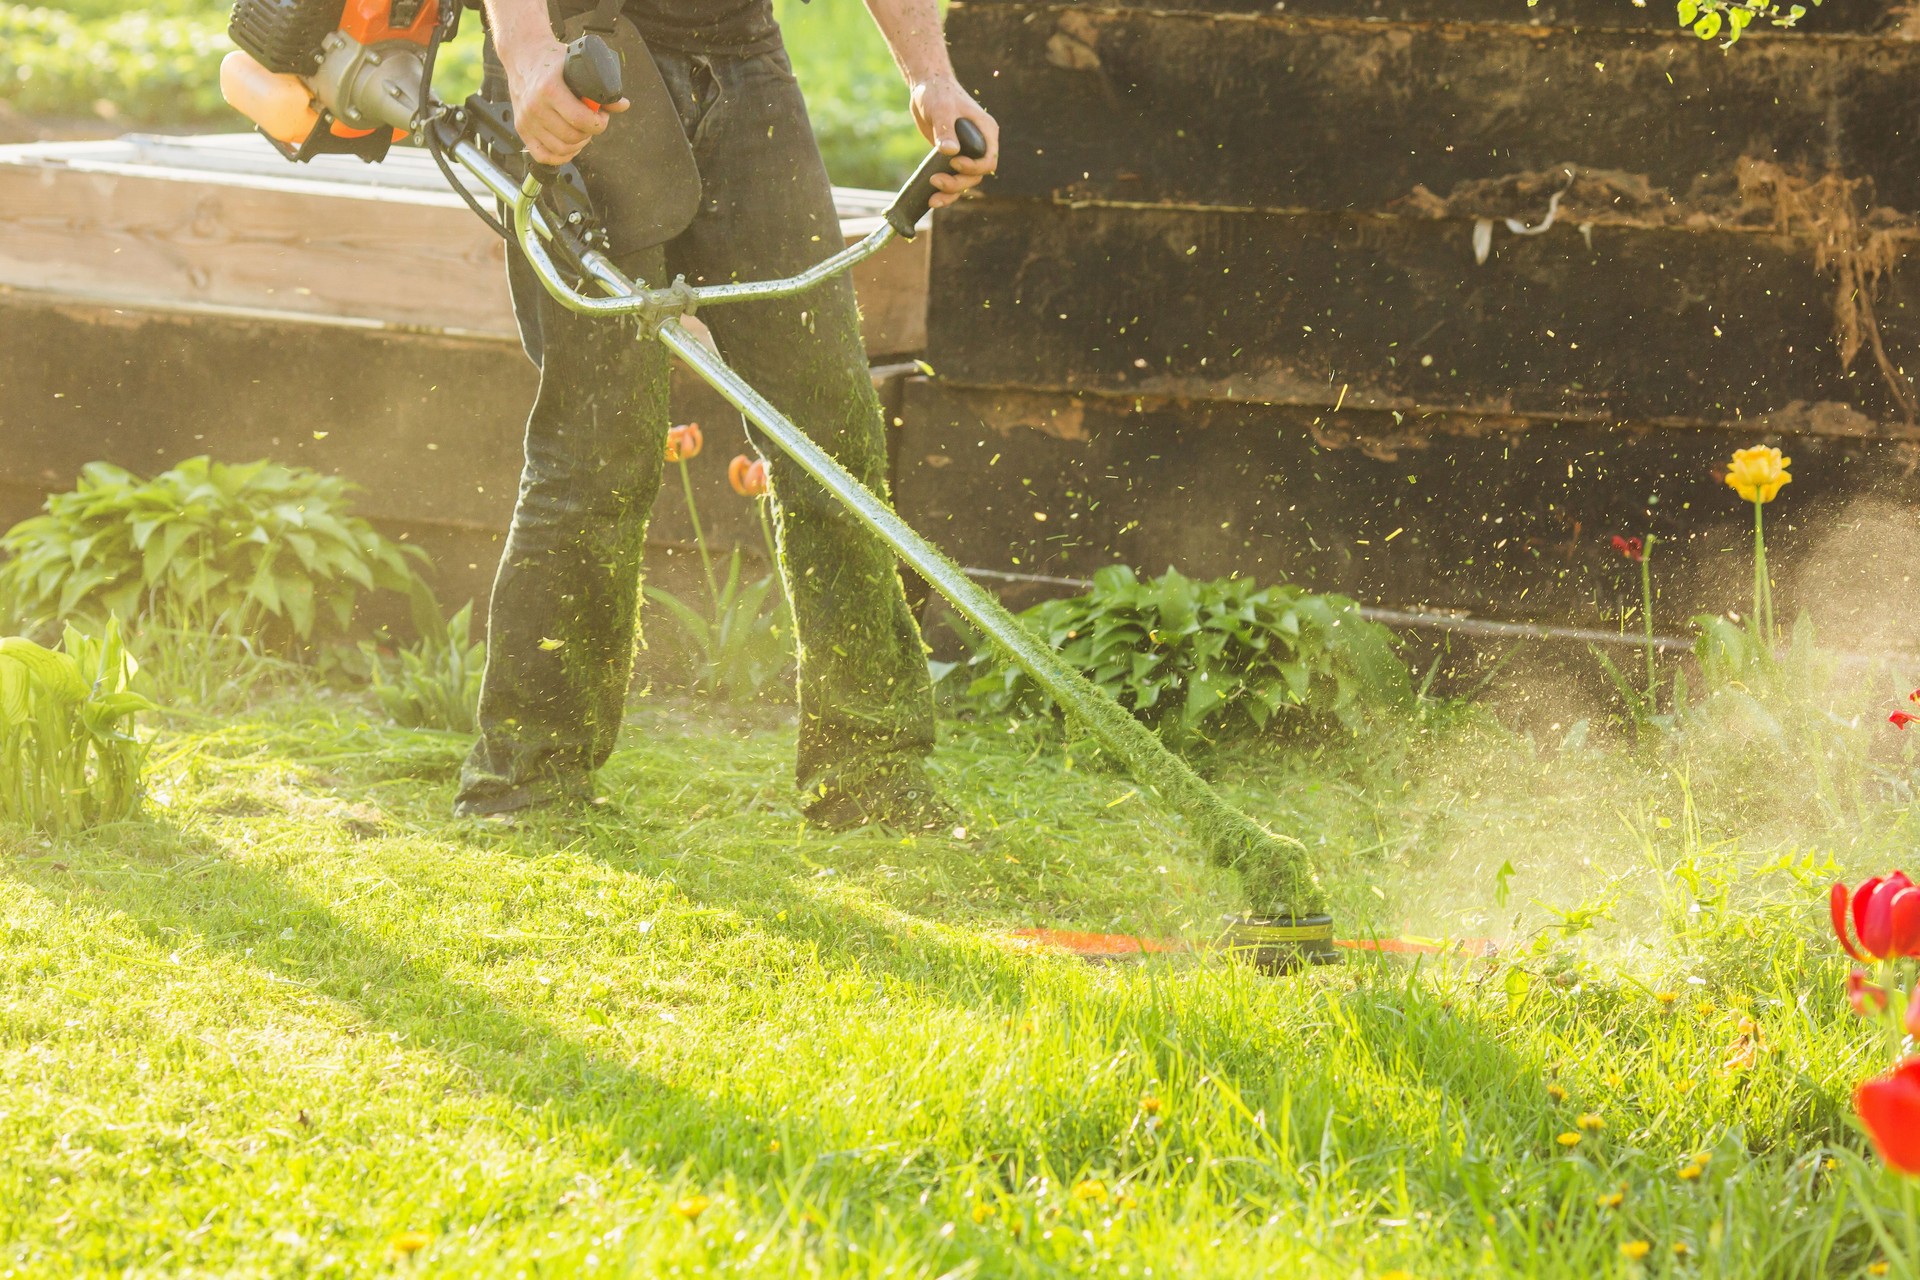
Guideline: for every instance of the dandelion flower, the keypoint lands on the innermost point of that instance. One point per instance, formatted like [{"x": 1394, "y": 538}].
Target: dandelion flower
[
  {"x": 1590, "y": 1122},
  {"x": 1090, "y": 1190},
  {"x": 405, "y": 1242},
  {"x": 1150, "y": 1105},
  {"x": 1666, "y": 999},
  {"x": 1568, "y": 1139},
  {"x": 1877, "y": 1268},
  {"x": 691, "y": 1207},
  {"x": 1680, "y": 1249},
  {"x": 1704, "y": 1008},
  {"x": 1611, "y": 1199},
  {"x": 1555, "y": 1092},
  {"x": 1635, "y": 1249},
  {"x": 1690, "y": 1172},
  {"x": 982, "y": 1211}
]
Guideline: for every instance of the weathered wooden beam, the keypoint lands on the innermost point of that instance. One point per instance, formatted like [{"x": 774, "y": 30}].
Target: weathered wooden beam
[
  {"x": 1278, "y": 112},
  {"x": 1618, "y": 323},
  {"x": 224, "y": 222},
  {"x": 1506, "y": 519},
  {"x": 428, "y": 425}
]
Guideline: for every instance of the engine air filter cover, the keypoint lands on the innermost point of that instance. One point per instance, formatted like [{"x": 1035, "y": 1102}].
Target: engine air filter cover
[{"x": 284, "y": 36}]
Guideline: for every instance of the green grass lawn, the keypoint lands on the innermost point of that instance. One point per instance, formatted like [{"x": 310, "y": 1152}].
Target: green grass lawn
[
  {"x": 157, "y": 64},
  {"x": 297, "y": 1011}
]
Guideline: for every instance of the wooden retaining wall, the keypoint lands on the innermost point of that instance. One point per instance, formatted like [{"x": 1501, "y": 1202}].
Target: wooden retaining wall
[{"x": 1225, "y": 306}]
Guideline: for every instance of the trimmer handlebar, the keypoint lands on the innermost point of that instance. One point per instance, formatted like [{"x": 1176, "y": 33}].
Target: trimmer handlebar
[
  {"x": 626, "y": 297},
  {"x": 914, "y": 199}
]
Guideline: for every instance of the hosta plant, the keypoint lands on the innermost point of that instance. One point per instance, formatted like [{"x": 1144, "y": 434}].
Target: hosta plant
[
  {"x": 256, "y": 550},
  {"x": 1206, "y": 660},
  {"x": 68, "y": 756}
]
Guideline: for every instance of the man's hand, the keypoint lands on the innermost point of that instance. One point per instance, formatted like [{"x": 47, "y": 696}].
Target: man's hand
[
  {"x": 938, "y": 102},
  {"x": 550, "y": 120}
]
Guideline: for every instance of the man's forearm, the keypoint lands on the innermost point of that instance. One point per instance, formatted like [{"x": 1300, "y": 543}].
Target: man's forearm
[
  {"x": 913, "y": 32},
  {"x": 518, "y": 27}
]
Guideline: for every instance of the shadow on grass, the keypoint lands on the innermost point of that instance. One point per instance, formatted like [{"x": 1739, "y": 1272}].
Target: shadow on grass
[{"x": 1226, "y": 1034}]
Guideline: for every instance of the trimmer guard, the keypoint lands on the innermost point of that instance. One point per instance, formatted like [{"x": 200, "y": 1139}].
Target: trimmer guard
[{"x": 640, "y": 173}]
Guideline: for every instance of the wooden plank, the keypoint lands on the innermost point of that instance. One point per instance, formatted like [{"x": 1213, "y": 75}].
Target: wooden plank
[
  {"x": 1835, "y": 17},
  {"x": 428, "y": 425},
  {"x": 1279, "y": 113},
  {"x": 1622, "y": 323},
  {"x": 159, "y": 223},
  {"x": 162, "y": 236},
  {"x": 1497, "y": 518}
]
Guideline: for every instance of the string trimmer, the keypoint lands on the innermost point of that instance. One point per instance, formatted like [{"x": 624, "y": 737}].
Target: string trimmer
[{"x": 321, "y": 77}]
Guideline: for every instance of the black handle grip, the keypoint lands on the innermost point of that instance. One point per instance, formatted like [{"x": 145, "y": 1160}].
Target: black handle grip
[
  {"x": 593, "y": 71},
  {"x": 592, "y": 74},
  {"x": 911, "y": 204}
]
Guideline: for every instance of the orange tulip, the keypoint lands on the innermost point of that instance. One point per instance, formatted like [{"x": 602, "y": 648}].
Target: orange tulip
[
  {"x": 748, "y": 476},
  {"x": 684, "y": 442}
]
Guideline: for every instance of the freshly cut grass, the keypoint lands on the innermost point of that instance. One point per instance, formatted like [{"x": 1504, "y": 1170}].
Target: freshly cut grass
[{"x": 298, "y": 1019}]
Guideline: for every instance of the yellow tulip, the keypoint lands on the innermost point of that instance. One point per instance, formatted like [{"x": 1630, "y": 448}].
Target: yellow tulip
[{"x": 1756, "y": 474}]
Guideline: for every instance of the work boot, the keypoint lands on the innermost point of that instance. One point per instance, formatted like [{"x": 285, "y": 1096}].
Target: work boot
[
  {"x": 899, "y": 796},
  {"x": 506, "y": 804}
]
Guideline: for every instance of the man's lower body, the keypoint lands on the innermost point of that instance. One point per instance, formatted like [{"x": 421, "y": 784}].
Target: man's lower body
[{"x": 563, "y": 621}]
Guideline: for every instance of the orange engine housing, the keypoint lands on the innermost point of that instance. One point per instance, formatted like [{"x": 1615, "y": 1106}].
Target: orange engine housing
[{"x": 370, "y": 22}]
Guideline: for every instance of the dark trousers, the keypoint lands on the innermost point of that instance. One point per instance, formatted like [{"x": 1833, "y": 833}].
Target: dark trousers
[{"x": 564, "y": 615}]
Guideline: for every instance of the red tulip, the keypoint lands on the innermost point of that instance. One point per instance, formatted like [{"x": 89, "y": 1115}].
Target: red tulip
[
  {"x": 1867, "y": 998},
  {"x": 748, "y": 476},
  {"x": 684, "y": 442},
  {"x": 1901, "y": 719},
  {"x": 1631, "y": 548},
  {"x": 1886, "y": 917},
  {"x": 1890, "y": 1108}
]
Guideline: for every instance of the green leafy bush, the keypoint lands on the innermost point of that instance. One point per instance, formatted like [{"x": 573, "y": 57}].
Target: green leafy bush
[
  {"x": 258, "y": 550},
  {"x": 434, "y": 683},
  {"x": 1206, "y": 660},
  {"x": 68, "y": 757}
]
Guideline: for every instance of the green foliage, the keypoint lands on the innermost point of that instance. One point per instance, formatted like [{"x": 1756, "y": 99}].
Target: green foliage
[
  {"x": 1710, "y": 18},
  {"x": 855, "y": 96},
  {"x": 252, "y": 550},
  {"x": 1207, "y": 660},
  {"x": 435, "y": 682},
  {"x": 68, "y": 757},
  {"x": 745, "y": 645}
]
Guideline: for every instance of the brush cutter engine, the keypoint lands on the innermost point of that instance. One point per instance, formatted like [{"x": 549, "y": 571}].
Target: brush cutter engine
[
  {"x": 352, "y": 76},
  {"x": 322, "y": 76}
]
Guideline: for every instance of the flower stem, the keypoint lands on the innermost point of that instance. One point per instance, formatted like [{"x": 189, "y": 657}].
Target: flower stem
[
  {"x": 699, "y": 536},
  {"x": 1646, "y": 621},
  {"x": 1762, "y": 587},
  {"x": 773, "y": 552}
]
